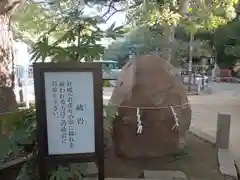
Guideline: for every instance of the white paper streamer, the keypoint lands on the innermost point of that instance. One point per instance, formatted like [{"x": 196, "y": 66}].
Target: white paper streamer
[
  {"x": 139, "y": 123},
  {"x": 175, "y": 118}
]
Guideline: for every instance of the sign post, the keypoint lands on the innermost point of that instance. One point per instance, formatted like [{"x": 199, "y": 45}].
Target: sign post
[{"x": 69, "y": 110}]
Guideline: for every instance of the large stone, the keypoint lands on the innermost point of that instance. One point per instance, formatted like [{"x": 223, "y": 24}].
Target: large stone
[
  {"x": 91, "y": 170},
  {"x": 150, "y": 84}
]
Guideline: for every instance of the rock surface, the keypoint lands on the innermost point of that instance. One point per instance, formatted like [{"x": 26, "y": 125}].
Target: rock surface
[{"x": 150, "y": 84}]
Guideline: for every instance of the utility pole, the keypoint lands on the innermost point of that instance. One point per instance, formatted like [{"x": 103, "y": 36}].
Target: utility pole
[{"x": 190, "y": 61}]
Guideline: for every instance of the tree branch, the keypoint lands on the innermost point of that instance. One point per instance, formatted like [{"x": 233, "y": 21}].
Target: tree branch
[
  {"x": 109, "y": 9},
  {"x": 20, "y": 36},
  {"x": 111, "y": 6},
  {"x": 8, "y": 6}
]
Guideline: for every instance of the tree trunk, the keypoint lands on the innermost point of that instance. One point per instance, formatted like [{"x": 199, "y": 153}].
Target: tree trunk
[
  {"x": 169, "y": 35},
  {"x": 170, "y": 31},
  {"x": 184, "y": 6},
  {"x": 7, "y": 96}
]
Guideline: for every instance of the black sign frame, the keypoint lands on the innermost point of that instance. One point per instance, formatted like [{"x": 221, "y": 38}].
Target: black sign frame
[{"x": 44, "y": 158}]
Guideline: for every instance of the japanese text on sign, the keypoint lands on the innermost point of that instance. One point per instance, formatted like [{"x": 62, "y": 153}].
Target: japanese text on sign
[{"x": 72, "y": 111}]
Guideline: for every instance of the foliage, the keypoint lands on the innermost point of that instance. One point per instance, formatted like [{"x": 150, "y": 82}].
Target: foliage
[
  {"x": 197, "y": 17},
  {"x": 147, "y": 40},
  {"x": 29, "y": 169},
  {"x": 106, "y": 83},
  {"x": 22, "y": 140},
  {"x": 31, "y": 20},
  {"x": 111, "y": 112},
  {"x": 72, "y": 171},
  {"x": 227, "y": 46},
  {"x": 18, "y": 132},
  {"x": 81, "y": 40},
  {"x": 61, "y": 30}
]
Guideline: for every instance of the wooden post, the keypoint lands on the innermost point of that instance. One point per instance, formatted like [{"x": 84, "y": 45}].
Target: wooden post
[{"x": 223, "y": 130}]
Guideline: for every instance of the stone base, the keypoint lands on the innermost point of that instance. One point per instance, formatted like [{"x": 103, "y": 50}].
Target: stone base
[
  {"x": 91, "y": 170},
  {"x": 227, "y": 164},
  {"x": 165, "y": 175}
]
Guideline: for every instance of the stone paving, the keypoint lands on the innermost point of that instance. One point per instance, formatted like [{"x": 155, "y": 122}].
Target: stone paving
[
  {"x": 164, "y": 175},
  {"x": 225, "y": 99},
  {"x": 147, "y": 175}
]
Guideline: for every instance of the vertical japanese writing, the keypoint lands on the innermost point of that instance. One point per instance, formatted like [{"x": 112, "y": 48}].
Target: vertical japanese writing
[
  {"x": 80, "y": 107},
  {"x": 71, "y": 122},
  {"x": 55, "y": 101},
  {"x": 62, "y": 105}
]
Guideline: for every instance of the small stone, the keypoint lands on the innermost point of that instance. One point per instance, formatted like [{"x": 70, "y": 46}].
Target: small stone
[
  {"x": 164, "y": 175},
  {"x": 225, "y": 157},
  {"x": 91, "y": 170},
  {"x": 227, "y": 164}
]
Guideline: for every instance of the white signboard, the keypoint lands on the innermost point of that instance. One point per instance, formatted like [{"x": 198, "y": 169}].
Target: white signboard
[{"x": 70, "y": 112}]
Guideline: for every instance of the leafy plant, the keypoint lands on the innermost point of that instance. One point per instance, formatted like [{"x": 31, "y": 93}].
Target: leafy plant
[
  {"x": 106, "y": 83},
  {"x": 80, "y": 40},
  {"x": 20, "y": 134},
  {"x": 72, "y": 171},
  {"x": 29, "y": 170},
  {"x": 22, "y": 139},
  {"x": 179, "y": 155}
]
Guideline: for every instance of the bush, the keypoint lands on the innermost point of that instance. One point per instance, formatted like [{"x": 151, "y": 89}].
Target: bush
[
  {"x": 106, "y": 83},
  {"x": 20, "y": 140}
]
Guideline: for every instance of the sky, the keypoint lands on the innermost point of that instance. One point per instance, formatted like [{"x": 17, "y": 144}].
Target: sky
[
  {"x": 23, "y": 57},
  {"x": 118, "y": 18}
]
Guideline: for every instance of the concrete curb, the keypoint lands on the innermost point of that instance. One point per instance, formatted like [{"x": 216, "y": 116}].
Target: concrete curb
[
  {"x": 202, "y": 135},
  {"x": 226, "y": 162},
  {"x": 237, "y": 165}
]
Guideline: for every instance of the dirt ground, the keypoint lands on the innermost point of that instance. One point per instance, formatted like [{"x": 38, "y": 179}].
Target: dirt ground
[{"x": 198, "y": 160}]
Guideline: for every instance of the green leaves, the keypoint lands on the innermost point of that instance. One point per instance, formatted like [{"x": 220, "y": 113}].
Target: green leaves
[
  {"x": 227, "y": 41},
  {"x": 80, "y": 40},
  {"x": 62, "y": 173},
  {"x": 24, "y": 133},
  {"x": 20, "y": 132},
  {"x": 73, "y": 171},
  {"x": 78, "y": 168},
  {"x": 40, "y": 49},
  {"x": 5, "y": 145},
  {"x": 20, "y": 136}
]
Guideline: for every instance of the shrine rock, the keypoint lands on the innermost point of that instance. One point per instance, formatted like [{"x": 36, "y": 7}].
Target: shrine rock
[{"x": 150, "y": 84}]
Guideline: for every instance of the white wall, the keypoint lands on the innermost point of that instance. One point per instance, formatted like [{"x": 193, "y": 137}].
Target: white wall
[{"x": 22, "y": 56}]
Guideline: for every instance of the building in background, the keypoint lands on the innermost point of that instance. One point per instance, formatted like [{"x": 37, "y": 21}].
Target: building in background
[{"x": 23, "y": 73}]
